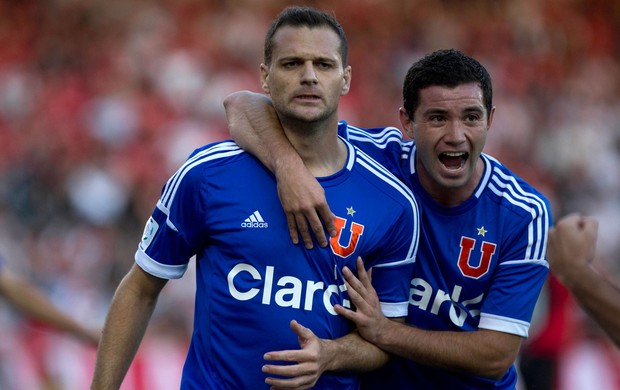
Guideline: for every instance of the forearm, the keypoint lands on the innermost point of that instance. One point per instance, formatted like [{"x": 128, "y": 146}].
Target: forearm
[
  {"x": 483, "y": 353},
  {"x": 597, "y": 296},
  {"x": 125, "y": 325},
  {"x": 26, "y": 297},
  {"x": 353, "y": 353},
  {"x": 254, "y": 125}
]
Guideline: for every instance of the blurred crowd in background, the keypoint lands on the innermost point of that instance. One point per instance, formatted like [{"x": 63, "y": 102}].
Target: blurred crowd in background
[{"x": 101, "y": 101}]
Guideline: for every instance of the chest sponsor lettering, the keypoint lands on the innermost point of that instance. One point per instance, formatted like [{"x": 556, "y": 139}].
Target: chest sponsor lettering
[{"x": 286, "y": 291}]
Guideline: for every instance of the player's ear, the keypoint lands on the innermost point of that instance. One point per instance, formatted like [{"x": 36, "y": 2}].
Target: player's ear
[
  {"x": 264, "y": 77},
  {"x": 490, "y": 119},
  {"x": 406, "y": 122},
  {"x": 346, "y": 81}
]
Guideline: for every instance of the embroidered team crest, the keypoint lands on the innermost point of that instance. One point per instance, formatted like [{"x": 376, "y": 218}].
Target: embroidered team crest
[
  {"x": 355, "y": 230},
  {"x": 468, "y": 264},
  {"x": 149, "y": 232}
]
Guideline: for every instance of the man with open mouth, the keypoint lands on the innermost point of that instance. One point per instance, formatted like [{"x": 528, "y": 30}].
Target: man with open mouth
[{"x": 481, "y": 259}]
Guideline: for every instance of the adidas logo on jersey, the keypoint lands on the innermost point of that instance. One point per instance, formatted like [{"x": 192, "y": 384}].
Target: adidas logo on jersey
[{"x": 255, "y": 221}]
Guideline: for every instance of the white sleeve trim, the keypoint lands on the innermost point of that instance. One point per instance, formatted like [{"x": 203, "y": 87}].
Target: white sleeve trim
[
  {"x": 398, "y": 263},
  {"x": 392, "y": 310},
  {"x": 154, "y": 268},
  {"x": 504, "y": 324}
]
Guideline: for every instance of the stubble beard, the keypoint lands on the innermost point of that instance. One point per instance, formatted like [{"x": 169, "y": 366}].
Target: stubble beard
[{"x": 299, "y": 118}]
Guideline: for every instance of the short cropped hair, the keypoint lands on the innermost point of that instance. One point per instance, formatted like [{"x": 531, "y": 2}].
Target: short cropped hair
[
  {"x": 448, "y": 68},
  {"x": 305, "y": 17}
]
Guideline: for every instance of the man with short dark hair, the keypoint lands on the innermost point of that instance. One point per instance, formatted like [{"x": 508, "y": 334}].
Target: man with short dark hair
[
  {"x": 481, "y": 262},
  {"x": 253, "y": 284}
]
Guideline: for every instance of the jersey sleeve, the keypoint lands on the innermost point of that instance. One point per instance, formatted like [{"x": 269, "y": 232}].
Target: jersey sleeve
[
  {"x": 393, "y": 260},
  {"x": 392, "y": 278},
  {"x": 173, "y": 233},
  {"x": 520, "y": 275},
  {"x": 384, "y": 144}
]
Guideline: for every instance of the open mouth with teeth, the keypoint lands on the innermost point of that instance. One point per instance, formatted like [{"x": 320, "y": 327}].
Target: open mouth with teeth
[{"x": 453, "y": 160}]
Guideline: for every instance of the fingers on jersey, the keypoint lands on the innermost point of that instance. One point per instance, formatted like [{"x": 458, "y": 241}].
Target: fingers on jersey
[
  {"x": 311, "y": 222},
  {"x": 302, "y": 375}
]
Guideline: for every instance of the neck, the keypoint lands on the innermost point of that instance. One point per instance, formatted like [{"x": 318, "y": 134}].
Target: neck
[
  {"x": 450, "y": 195},
  {"x": 319, "y": 147}
]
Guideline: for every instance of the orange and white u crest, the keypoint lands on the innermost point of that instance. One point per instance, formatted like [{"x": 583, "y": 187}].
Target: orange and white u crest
[{"x": 356, "y": 231}]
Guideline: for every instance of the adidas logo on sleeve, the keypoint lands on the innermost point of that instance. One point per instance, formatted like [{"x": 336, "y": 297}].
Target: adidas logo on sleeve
[{"x": 255, "y": 221}]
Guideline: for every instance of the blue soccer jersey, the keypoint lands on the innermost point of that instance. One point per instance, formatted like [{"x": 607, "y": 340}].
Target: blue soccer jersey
[
  {"x": 222, "y": 207},
  {"x": 481, "y": 265}
]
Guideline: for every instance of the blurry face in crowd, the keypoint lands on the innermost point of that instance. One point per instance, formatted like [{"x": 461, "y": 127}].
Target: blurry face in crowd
[
  {"x": 306, "y": 77},
  {"x": 450, "y": 130}
]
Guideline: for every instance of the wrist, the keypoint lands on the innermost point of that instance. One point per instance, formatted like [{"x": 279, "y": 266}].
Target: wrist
[
  {"x": 284, "y": 162},
  {"x": 330, "y": 351},
  {"x": 383, "y": 338},
  {"x": 575, "y": 275}
]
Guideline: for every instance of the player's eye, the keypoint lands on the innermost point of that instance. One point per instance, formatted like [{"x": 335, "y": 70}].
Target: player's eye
[
  {"x": 290, "y": 64},
  {"x": 472, "y": 118}
]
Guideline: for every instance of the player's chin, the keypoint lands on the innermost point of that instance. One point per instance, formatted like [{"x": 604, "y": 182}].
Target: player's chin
[
  {"x": 452, "y": 172},
  {"x": 453, "y": 178}
]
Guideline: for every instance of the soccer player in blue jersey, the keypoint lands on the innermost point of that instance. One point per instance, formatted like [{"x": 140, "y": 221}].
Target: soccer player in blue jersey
[
  {"x": 481, "y": 262},
  {"x": 253, "y": 284},
  {"x": 32, "y": 302}
]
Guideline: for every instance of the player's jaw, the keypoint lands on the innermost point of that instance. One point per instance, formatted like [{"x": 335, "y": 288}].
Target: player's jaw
[
  {"x": 309, "y": 105},
  {"x": 307, "y": 98},
  {"x": 453, "y": 166},
  {"x": 448, "y": 169},
  {"x": 457, "y": 165}
]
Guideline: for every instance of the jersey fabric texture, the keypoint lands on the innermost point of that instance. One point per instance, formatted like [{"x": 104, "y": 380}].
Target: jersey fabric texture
[
  {"x": 481, "y": 265},
  {"x": 222, "y": 207}
]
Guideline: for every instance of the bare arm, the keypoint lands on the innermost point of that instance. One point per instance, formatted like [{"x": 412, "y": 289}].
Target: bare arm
[
  {"x": 126, "y": 322},
  {"x": 570, "y": 252},
  {"x": 483, "y": 352},
  {"x": 255, "y": 126},
  {"x": 304, "y": 366},
  {"x": 29, "y": 300}
]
